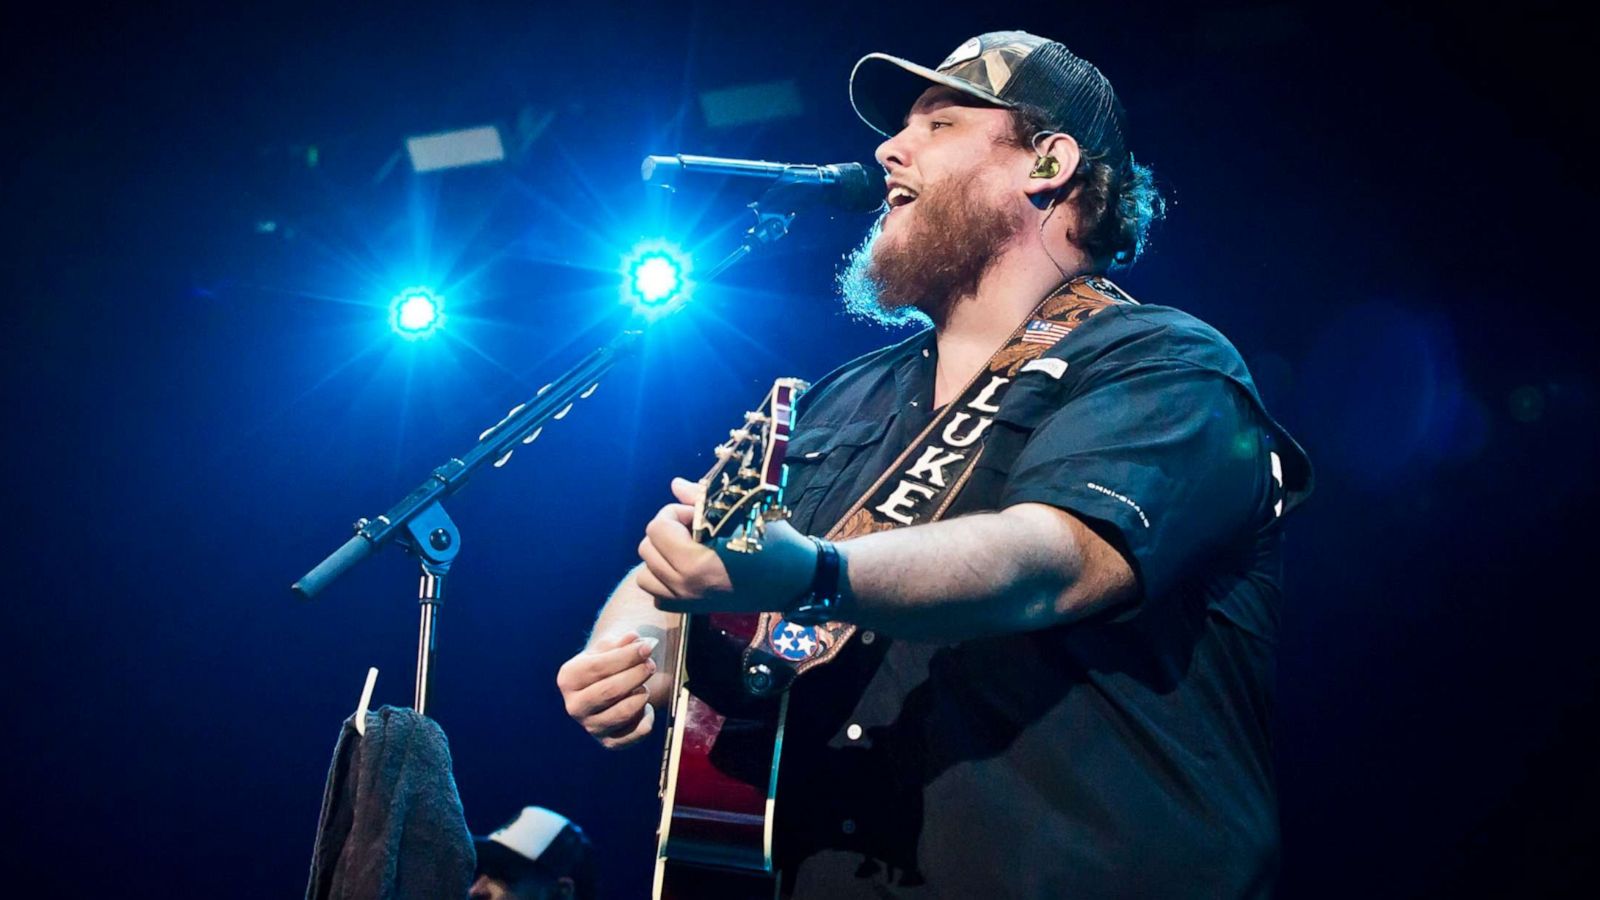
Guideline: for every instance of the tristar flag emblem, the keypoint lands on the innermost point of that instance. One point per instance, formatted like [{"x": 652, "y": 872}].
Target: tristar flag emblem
[{"x": 793, "y": 641}]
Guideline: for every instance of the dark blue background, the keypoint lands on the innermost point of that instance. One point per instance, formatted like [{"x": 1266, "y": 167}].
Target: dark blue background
[{"x": 1382, "y": 206}]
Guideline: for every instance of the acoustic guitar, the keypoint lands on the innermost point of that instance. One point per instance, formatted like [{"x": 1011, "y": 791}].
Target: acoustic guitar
[{"x": 719, "y": 774}]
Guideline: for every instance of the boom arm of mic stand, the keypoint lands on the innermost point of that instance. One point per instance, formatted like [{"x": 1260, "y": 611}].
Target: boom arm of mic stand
[
  {"x": 496, "y": 443},
  {"x": 504, "y": 437}
]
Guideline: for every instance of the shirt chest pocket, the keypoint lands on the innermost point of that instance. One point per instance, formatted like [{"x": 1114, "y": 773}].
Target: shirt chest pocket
[
  {"x": 823, "y": 460},
  {"x": 1025, "y": 408}
]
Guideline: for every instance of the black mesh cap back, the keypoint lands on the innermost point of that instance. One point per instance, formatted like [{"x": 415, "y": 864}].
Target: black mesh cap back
[{"x": 1075, "y": 98}]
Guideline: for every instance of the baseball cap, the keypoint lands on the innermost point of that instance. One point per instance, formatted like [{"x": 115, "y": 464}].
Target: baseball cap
[
  {"x": 538, "y": 840},
  {"x": 1008, "y": 69}
]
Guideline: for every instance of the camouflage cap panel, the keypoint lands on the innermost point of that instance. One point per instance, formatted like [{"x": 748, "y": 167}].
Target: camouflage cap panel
[{"x": 989, "y": 60}]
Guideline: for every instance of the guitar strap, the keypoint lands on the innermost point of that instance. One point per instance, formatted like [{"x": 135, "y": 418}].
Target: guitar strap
[{"x": 923, "y": 482}]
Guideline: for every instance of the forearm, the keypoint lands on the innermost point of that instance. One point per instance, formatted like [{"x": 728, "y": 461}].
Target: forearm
[
  {"x": 1026, "y": 568},
  {"x": 629, "y": 608}
]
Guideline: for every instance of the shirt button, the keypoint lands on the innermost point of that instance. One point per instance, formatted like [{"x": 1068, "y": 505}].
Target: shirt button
[
  {"x": 924, "y": 352},
  {"x": 853, "y": 732},
  {"x": 868, "y": 637},
  {"x": 848, "y": 826}
]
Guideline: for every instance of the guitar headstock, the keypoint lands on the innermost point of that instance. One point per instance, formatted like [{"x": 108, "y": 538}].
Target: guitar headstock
[{"x": 744, "y": 489}]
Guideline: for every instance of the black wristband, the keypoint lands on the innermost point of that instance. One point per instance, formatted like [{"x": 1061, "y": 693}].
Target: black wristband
[{"x": 825, "y": 601}]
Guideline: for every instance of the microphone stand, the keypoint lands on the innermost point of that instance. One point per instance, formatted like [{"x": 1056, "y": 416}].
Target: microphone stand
[{"x": 419, "y": 523}]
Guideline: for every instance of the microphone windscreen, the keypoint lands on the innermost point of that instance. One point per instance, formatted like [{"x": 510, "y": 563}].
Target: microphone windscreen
[{"x": 857, "y": 190}]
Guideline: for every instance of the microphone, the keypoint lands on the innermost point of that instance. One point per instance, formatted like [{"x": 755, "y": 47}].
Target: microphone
[{"x": 844, "y": 186}]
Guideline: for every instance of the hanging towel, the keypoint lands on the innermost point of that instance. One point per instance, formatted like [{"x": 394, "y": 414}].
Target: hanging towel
[{"x": 392, "y": 825}]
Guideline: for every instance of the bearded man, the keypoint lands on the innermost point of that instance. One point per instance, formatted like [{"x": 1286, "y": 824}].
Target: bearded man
[{"x": 1049, "y": 595}]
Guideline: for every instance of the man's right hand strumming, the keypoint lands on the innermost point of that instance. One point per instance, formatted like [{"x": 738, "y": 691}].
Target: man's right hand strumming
[
  {"x": 604, "y": 688},
  {"x": 612, "y": 685}
]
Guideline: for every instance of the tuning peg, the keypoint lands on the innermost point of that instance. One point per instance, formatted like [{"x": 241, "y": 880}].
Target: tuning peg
[
  {"x": 536, "y": 432},
  {"x": 743, "y": 541},
  {"x": 751, "y": 418},
  {"x": 723, "y": 452},
  {"x": 502, "y": 460},
  {"x": 585, "y": 394}
]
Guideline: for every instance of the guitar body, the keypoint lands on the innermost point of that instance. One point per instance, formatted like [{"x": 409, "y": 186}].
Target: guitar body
[
  {"x": 718, "y": 788},
  {"x": 719, "y": 776}
]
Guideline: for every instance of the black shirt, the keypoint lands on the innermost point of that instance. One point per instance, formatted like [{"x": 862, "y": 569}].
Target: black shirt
[{"x": 1123, "y": 756}]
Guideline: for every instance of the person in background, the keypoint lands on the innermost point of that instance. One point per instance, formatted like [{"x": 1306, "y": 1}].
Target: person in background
[{"x": 539, "y": 855}]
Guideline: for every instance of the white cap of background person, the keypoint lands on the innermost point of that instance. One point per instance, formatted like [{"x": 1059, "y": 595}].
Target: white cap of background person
[{"x": 539, "y": 842}]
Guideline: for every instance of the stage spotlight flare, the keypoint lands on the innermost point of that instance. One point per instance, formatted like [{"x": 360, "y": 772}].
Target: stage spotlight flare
[
  {"x": 655, "y": 278},
  {"x": 416, "y": 313}
]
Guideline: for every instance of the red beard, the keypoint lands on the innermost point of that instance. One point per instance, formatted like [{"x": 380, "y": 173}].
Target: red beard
[{"x": 955, "y": 235}]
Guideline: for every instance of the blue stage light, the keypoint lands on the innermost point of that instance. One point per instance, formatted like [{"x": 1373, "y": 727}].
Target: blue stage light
[
  {"x": 655, "y": 278},
  {"x": 416, "y": 313}
]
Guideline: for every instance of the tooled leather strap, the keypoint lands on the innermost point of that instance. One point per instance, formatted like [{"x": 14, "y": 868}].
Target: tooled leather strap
[{"x": 923, "y": 482}]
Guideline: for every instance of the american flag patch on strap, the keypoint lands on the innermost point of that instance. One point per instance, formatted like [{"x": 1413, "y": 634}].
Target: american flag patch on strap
[{"x": 1039, "y": 331}]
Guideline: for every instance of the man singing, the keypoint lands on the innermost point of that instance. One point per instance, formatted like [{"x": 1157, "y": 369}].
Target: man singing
[{"x": 1033, "y": 576}]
